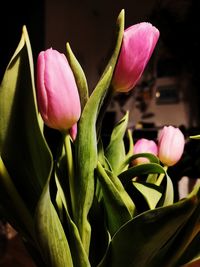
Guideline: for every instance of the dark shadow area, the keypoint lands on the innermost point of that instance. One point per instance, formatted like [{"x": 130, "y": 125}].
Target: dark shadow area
[{"x": 15, "y": 14}]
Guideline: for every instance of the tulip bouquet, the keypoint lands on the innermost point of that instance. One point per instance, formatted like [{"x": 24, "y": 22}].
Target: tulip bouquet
[{"x": 84, "y": 203}]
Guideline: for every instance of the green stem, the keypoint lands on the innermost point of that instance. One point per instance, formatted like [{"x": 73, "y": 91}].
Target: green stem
[
  {"x": 70, "y": 168},
  {"x": 161, "y": 176},
  {"x": 17, "y": 201}
]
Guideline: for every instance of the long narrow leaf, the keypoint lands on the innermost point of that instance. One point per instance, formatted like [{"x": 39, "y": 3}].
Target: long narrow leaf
[
  {"x": 50, "y": 234},
  {"x": 22, "y": 145},
  {"x": 79, "y": 256},
  {"x": 119, "y": 36},
  {"x": 118, "y": 204},
  {"x": 131, "y": 157},
  {"x": 86, "y": 145},
  {"x": 79, "y": 76},
  {"x": 86, "y": 148},
  {"x": 168, "y": 196}
]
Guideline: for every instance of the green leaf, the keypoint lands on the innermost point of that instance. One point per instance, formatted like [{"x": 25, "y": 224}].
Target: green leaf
[
  {"x": 130, "y": 141},
  {"x": 112, "y": 62},
  {"x": 79, "y": 256},
  {"x": 86, "y": 159},
  {"x": 168, "y": 196},
  {"x": 195, "y": 136},
  {"x": 140, "y": 169},
  {"x": 79, "y": 76},
  {"x": 119, "y": 36},
  {"x": 152, "y": 178},
  {"x": 101, "y": 156},
  {"x": 118, "y": 204},
  {"x": 139, "y": 242},
  {"x": 104, "y": 162},
  {"x": 22, "y": 145},
  {"x": 147, "y": 169},
  {"x": 130, "y": 157},
  {"x": 50, "y": 234},
  {"x": 86, "y": 144},
  {"x": 152, "y": 158},
  {"x": 150, "y": 193},
  {"x": 115, "y": 152}
]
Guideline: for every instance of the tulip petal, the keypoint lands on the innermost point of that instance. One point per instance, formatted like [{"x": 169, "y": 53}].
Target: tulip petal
[
  {"x": 57, "y": 93},
  {"x": 137, "y": 47},
  {"x": 170, "y": 145}
]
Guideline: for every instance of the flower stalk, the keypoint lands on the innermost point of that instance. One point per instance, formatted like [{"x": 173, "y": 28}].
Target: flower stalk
[{"x": 70, "y": 168}]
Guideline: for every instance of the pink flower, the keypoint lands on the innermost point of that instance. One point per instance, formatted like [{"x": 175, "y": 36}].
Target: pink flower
[
  {"x": 171, "y": 144},
  {"x": 57, "y": 94},
  {"x": 144, "y": 146},
  {"x": 138, "y": 45}
]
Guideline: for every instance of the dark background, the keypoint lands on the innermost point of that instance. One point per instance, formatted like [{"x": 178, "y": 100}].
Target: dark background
[{"x": 15, "y": 14}]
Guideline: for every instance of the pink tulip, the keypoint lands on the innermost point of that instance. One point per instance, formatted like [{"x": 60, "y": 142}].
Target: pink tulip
[
  {"x": 171, "y": 143},
  {"x": 144, "y": 146},
  {"x": 57, "y": 94},
  {"x": 138, "y": 45}
]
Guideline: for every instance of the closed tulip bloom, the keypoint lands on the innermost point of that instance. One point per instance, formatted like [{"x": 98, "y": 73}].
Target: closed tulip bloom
[
  {"x": 144, "y": 146},
  {"x": 57, "y": 93},
  {"x": 171, "y": 144},
  {"x": 138, "y": 45}
]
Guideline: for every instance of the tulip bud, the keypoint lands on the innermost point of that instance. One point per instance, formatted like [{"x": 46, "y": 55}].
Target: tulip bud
[
  {"x": 57, "y": 93},
  {"x": 171, "y": 143},
  {"x": 144, "y": 146},
  {"x": 138, "y": 44}
]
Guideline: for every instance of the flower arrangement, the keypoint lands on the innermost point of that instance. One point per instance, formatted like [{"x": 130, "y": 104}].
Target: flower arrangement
[{"x": 85, "y": 204}]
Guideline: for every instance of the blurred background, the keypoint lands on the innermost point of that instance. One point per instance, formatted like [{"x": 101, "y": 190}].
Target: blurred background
[{"x": 168, "y": 92}]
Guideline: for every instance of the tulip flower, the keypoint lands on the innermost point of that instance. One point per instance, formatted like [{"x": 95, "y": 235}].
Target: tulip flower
[
  {"x": 57, "y": 93},
  {"x": 171, "y": 144},
  {"x": 144, "y": 146},
  {"x": 138, "y": 45}
]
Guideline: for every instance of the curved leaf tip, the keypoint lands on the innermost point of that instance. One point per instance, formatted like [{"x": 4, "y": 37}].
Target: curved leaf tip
[{"x": 121, "y": 14}]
